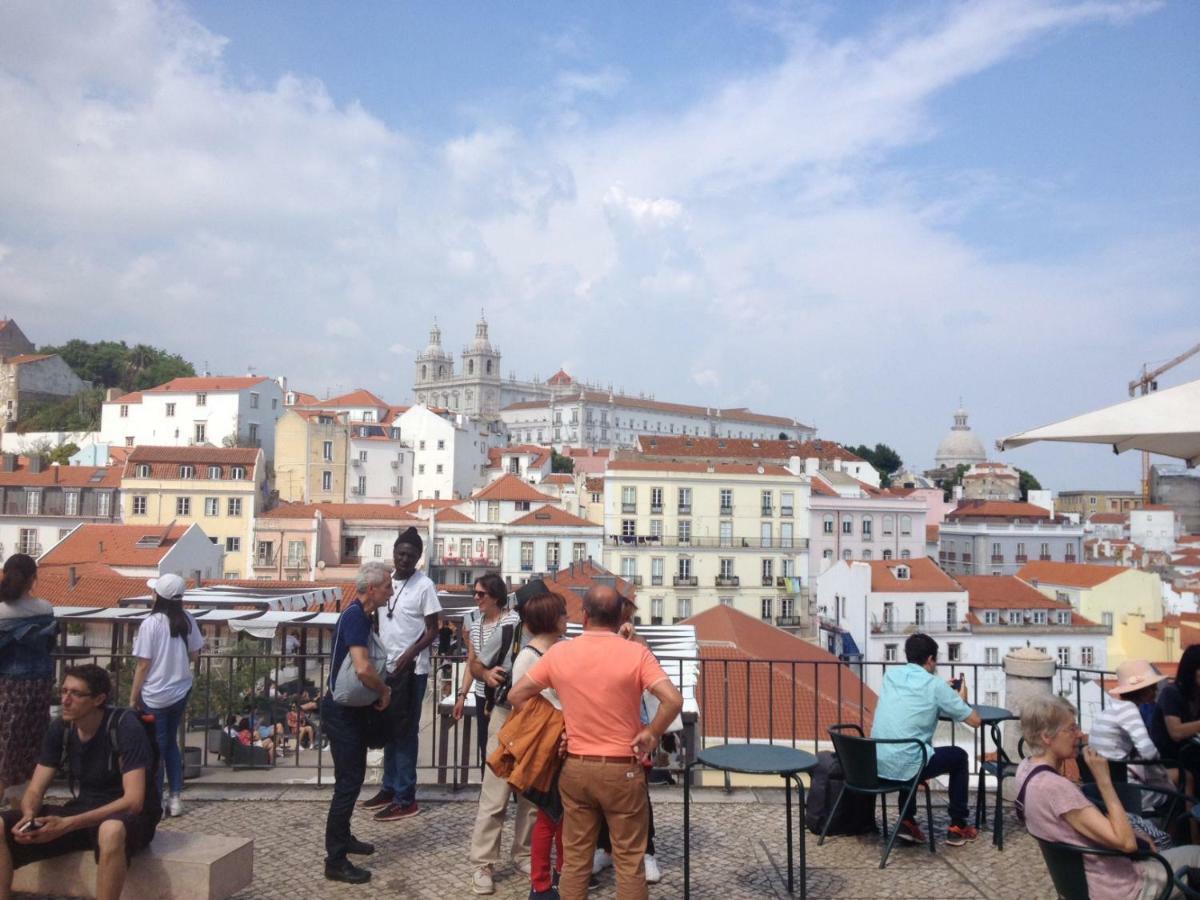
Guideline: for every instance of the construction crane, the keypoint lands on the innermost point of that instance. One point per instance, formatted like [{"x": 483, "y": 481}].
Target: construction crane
[{"x": 1144, "y": 384}]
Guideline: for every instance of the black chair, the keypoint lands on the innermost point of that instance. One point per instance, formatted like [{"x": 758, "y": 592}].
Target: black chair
[
  {"x": 1169, "y": 807},
  {"x": 237, "y": 754},
  {"x": 1065, "y": 863},
  {"x": 1000, "y": 768},
  {"x": 860, "y": 770}
]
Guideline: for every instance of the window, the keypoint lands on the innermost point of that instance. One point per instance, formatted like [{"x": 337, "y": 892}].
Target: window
[
  {"x": 553, "y": 555},
  {"x": 71, "y": 503},
  {"x": 685, "y": 500},
  {"x": 785, "y": 607},
  {"x": 128, "y": 441},
  {"x": 866, "y": 554},
  {"x": 726, "y": 501},
  {"x": 685, "y": 531},
  {"x": 628, "y": 567},
  {"x": 629, "y": 499},
  {"x": 187, "y": 471},
  {"x": 201, "y": 433},
  {"x": 905, "y": 526},
  {"x": 628, "y": 527},
  {"x": 786, "y": 502},
  {"x": 765, "y": 534},
  {"x": 238, "y": 473},
  {"x": 725, "y": 531},
  {"x": 295, "y": 553},
  {"x": 578, "y": 551},
  {"x": 919, "y": 614},
  {"x": 656, "y": 610},
  {"x": 526, "y": 556},
  {"x": 768, "y": 571},
  {"x": 138, "y": 508},
  {"x": 1064, "y": 656},
  {"x": 420, "y": 445},
  {"x": 327, "y": 480},
  {"x": 848, "y": 525},
  {"x": 954, "y": 653},
  {"x": 212, "y": 506},
  {"x": 202, "y": 399},
  {"x": 233, "y": 545},
  {"x": 1063, "y": 617},
  {"x": 170, "y": 409},
  {"x": 991, "y": 617},
  {"x": 767, "y": 607},
  {"x": 887, "y": 554},
  {"x": 867, "y": 525},
  {"x": 785, "y": 534},
  {"x": 905, "y": 554},
  {"x": 214, "y": 472},
  {"x": 657, "y": 567},
  {"x": 685, "y": 567},
  {"x": 683, "y": 607},
  {"x": 656, "y": 499},
  {"x": 421, "y": 469},
  {"x": 253, "y": 400},
  {"x": 889, "y": 652},
  {"x": 847, "y": 555},
  {"x": 1016, "y": 617},
  {"x": 656, "y": 529},
  {"x": 992, "y": 698},
  {"x": 327, "y": 451},
  {"x": 1062, "y": 596},
  {"x": 493, "y": 550},
  {"x": 725, "y": 566},
  {"x": 234, "y": 506},
  {"x": 766, "y": 503},
  {"x": 991, "y": 656},
  {"x": 1038, "y": 617},
  {"x": 27, "y": 542},
  {"x": 464, "y": 548},
  {"x": 33, "y": 503},
  {"x": 441, "y": 445},
  {"x": 889, "y": 525},
  {"x": 1021, "y": 551},
  {"x": 438, "y": 471},
  {"x": 493, "y": 511},
  {"x": 951, "y": 615},
  {"x": 378, "y": 551},
  {"x": 1085, "y": 657},
  {"x": 124, "y": 411},
  {"x": 827, "y": 524},
  {"x": 183, "y": 506}
]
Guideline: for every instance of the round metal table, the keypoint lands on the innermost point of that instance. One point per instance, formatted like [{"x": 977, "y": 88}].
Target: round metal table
[{"x": 753, "y": 759}]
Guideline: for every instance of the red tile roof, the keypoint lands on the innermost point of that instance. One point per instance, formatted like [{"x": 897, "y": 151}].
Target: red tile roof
[
  {"x": 340, "y": 511},
  {"x": 558, "y": 478},
  {"x": 997, "y": 509},
  {"x": 27, "y": 358},
  {"x": 127, "y": 399},
  {"x": 658, "y": 465},
  {"x": 1068, "y": 574},
  {"x": 164, "y": 462},
  {"x": 63, "y": 476},
  {"x": 303, "y": 399},
  {"x": 208, "y": 384},
  {"x": 416, "y": 506},
  {"x": 821, "y": 488},
  {"x": 539, "y": 453},
  {"x": 358, "y": 397},
  {"x": 785, "y": 701},
  {"x": 737, "y": 414},
  {"x": 1109, "y": 518},
  {"x": 453, "y": 515},
  {"x": 510, "y": 487},
  {"x": 101, "y": 588},
  {"x": 112, "y": 545},
  {"x": 552, "y": 515},
  {"x": 560, "y": 377},
  {"x": 742, "y": 448},
  {"x": 1005, "y": 592},
  {"x": 924, "y": 575},
  {"x": 932, "y": 533}
]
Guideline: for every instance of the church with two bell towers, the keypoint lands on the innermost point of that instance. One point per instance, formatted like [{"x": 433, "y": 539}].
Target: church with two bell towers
[{"x": 477, "y": 389}]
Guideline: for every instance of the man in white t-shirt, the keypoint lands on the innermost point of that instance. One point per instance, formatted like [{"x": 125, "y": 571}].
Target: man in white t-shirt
[{"x": 408, "y": 625}]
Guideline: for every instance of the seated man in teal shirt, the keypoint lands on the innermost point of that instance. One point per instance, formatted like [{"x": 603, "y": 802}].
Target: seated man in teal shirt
[{"x": 912, "y": 699}]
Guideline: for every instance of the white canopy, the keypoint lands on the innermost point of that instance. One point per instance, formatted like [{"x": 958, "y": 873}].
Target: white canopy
[
  {"x": 225, "y": 595},
  {"x": 1166, "y": 422}
]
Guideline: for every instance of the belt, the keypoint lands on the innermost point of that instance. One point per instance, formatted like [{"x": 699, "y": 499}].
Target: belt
[{"x": 603, "y": 759}]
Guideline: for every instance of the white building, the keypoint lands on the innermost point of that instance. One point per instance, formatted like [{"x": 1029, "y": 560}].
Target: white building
[
  {"x": 40, "y": 504},
  {"x": 852, "y": 521},
  {"x": 218, "y": 411},
  {"x": 450, "y": 452},
  {"x": 381, "y": 465},
  {"x": 1154, "y": 527},
  {"x": 138, "y": 550}
]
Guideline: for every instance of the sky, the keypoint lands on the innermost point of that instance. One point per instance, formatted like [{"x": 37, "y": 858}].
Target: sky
[{"x": 853, "y": 214}]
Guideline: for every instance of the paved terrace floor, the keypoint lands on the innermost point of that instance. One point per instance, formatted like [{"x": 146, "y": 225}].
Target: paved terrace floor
[{"x": 738, "y": 846}]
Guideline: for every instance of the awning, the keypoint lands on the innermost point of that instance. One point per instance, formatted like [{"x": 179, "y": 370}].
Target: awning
[
  {"x": 1166, "y": 422},
  {"x": 224, "y": 595},
  {"x": 265, "y": 626}
]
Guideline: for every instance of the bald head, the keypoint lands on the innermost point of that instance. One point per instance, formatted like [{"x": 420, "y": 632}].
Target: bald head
[{"x": 603, "y": 605}]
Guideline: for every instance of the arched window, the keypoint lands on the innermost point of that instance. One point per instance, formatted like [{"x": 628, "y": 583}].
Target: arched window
[
  {"x": 889, "y": 525},
  {"x": 867, "y": 525},
  {"x": 906, "y": 525},
  {"x": 904, "y": 554},
  {"x": 470, "y": 367},
  {"x": 424, "y": 372},
  {"x": 489, "y": 367},
  {"x": 866, "y": 554},
  {"x": 441, "y": 371},
  {"x": 828, "y": 524},
  {"x": 846, "y": 554},
  {"x": 887, "y": 554}
]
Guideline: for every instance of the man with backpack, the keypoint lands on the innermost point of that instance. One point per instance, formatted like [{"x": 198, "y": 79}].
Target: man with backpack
[{"x": 114, "y": 808}]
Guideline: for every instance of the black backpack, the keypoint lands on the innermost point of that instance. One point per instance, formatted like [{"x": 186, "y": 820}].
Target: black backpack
[
  {"x": 152, "y": 805},
  {"x": 855, "y": 814}
]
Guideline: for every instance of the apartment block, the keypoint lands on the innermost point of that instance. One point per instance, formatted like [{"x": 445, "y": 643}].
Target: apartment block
[{"x": 40, "y": 504}]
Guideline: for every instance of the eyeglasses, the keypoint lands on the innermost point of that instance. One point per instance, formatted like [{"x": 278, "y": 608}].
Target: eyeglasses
[{"x": 74, "y": 694}]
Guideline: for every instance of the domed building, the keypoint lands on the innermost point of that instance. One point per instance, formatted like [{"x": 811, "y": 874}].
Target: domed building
[{"x": 960, "y": 447}]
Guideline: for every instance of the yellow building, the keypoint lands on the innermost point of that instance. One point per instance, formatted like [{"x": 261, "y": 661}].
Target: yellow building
[
  {"x": 310, "y": 456},
  {"x": 220, "y": 489},
  {"x": 1126, "y": 600},
  {"x": 1087, "y": 503}
]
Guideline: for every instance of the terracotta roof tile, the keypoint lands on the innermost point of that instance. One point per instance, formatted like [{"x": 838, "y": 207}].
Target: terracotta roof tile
[
  {"x": 416, "y": 506},
  {"x": 558, "y": 478},
  {"x": 63, "y": 476},
  {"x": 997, "y": 509},
  {"x": 924, "y": 576},
  {"x": 676, "y": 445},
  {"x": 579, "y": 576},
  {"x": 208, "y": 384},
  {"x": 340, "y": 511},
  {"x": 358, "y": 397},
  {"x": 113, "y": 545},
  {"x": 1005, "y": 592},
  {"x": 1109, "y": 518},
  {"x": 553, "y": 515},
  {"x": 510, "y": 487},
  {"x": 658, "y": 465},
  {"x": 737, "y": 414},
  {"x": 164, "y": 462},
  {"x": 1068, "y": 574},
  {"x": 453, "y": 515},
  {"x": 540, "y": 454},
  {"x": 27, "y": 358},
  {"x": 99, "y": 588},
  {"x": 932, "y": 533}
]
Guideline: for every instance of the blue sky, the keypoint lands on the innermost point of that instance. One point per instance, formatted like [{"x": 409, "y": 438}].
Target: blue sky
[{"x": 849, "y": 213}]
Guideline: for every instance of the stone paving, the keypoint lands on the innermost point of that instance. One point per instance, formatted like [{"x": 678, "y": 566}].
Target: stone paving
[{"x": 738, "y": 846}]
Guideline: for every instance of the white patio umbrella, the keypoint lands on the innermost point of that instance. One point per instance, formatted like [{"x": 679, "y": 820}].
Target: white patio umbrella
[{"x": 1166, "y": 422}]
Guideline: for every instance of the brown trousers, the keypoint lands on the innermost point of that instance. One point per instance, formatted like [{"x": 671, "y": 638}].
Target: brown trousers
[{"x": 593, "y": 792}]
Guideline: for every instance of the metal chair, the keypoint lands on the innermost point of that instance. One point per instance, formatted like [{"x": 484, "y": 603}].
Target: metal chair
[
  {"x": 1169, "y": 809},
  {"x": 1000, "y": 768},
  {"x": 1065, "y": 863},
  {"x": 860, "y": 770}
]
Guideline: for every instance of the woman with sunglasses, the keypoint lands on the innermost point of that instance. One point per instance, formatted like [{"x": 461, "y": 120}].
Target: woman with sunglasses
[{"x": 495, "y": 640}]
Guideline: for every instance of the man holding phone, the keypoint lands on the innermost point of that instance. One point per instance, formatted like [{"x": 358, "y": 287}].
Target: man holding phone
[
  {"x": 113, "y": 815},
  {"x": 912, "y": 700}
]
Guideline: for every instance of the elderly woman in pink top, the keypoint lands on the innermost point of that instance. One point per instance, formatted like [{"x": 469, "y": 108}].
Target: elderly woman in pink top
[{"x": 1056, "y": 809}]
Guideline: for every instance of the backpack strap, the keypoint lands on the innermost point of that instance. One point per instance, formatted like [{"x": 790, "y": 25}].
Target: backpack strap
[
  {"x": 64, "y": 760},
  {"x": 1020, "y": 804}
]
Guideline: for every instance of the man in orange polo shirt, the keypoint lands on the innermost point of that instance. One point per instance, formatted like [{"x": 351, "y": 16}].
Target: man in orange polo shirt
[{"x": 600, "y": 678}]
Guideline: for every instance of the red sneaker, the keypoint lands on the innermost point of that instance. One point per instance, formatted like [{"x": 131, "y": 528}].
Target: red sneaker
[
  {"x": 396, "y": 811},
  {"x": 910, "y": 832},
  {"x": 957, "y": 835}
]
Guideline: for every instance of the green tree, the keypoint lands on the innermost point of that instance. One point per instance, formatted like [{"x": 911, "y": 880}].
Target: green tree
[
  {"x": 62, "y": 453},
  {"x": 885, "y": 460},
  {"x": 1027, "y": 483},
  {"x": 112, "y": 364},
  {"x": 78, "y": 413},
  {"x": 561, "y": 463}
]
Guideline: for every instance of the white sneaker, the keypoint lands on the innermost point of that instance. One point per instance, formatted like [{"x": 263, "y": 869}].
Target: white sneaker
[
  {"x": 175, "y": 805},
  {"x": 601, "y": 861},
  {"x": 653, "y": 874},
  {"x": 524, "y": 866},
  {"x": 481, "y": 881}
]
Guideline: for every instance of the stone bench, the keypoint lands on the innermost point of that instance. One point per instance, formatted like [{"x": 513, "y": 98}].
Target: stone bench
[{"x": 176, "y": 866}]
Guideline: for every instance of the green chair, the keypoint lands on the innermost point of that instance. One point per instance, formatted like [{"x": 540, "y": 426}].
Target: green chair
[
  {"x": 1065, "y": 862},
  {"x": 860, "y": 771}
]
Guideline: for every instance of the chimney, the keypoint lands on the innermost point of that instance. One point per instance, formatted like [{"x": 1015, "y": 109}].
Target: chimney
[
  {"x": 795, "y": 465},
  {"x": 812, "y": 465},
  {"x": 197, "y": 576},
  {"x": 112, "y": 394},
  {"x": 101, "y": 546},
  {"x": 72, "y": 579}
]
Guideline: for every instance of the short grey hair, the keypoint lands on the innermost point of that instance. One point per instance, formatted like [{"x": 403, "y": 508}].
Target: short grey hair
[
  {"x": 371, "y": 574},
  {"x": 1044, "y": 715}
]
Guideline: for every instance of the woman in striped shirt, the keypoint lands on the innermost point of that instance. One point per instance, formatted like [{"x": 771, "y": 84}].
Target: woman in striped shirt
[{"x": 1119, "y": 732}]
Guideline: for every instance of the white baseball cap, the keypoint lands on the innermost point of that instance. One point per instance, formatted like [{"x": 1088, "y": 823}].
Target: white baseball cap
[{"x": 168, "y": 586}]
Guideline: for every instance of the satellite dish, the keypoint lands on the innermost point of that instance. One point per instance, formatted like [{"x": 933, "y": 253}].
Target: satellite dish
[{"x": 321, "y": 564}]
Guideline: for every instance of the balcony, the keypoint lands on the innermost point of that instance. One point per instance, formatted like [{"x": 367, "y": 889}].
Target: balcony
[
  {"x": 265, "y": 560},
  {"x": 629, "y": 507},
  {"x": 789, "y": 621},
  {"x": 768, "y": 511},
  {"x": 356, "y": 491},
  {"x": 966, "y": 557},
  {"x": 997, "y": 559},
  {"x": 868, "y": 537},
  {"x": 726, "y": 510},
  {"x": 1045, "y": 557},
  {"x": 475, "y": 562},
  {"x": 909, "y": 626},
  {"x": 728, "y": 581},
  {"x": 656, "y": 507},
  {"x": 768, "y": 581},
  {"x": 689, "y": 581},
  {"x": 296, "y": 562},
  {"x": 1022, "y": 558},
  {"x": 396, "y": 490},
  {"x": 656, "y": 580},
  {"x": 357, "y": 463},
  {"x": 628, "y": 541},
  {"x": 685, "y": 509}
]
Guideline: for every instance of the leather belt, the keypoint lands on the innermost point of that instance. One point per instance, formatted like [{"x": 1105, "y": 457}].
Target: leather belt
[{"x": 603, "y": 759}]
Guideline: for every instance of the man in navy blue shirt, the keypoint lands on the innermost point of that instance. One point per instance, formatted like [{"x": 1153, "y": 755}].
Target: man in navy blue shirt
[{"x": 346, "y": 726}]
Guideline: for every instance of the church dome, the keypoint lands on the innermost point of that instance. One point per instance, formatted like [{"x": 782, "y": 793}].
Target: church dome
[
  {"x": 434, "y": 349},
  {"x": 960, "y": 446},
  {"x": 481, "y": 344}
]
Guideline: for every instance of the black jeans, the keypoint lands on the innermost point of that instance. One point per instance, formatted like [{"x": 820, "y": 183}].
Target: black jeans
[
  {"x": 604, "y": 842},
  {"x": 345, "y": 726}
]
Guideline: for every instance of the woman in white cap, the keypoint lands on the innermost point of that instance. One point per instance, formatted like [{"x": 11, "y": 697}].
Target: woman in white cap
[
  {"x": 1119, "y": 732},
  {"x": 167, "y": 643}
]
